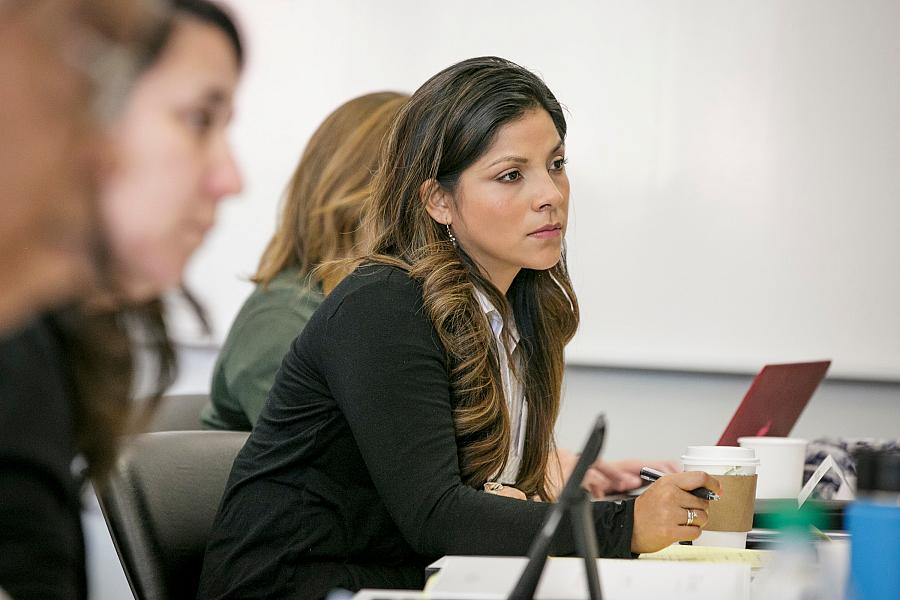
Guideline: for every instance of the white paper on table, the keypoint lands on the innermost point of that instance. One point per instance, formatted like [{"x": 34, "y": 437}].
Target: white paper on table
[
  {"x": 489, "y": 578},
  {"x": 845, "y": 492}
]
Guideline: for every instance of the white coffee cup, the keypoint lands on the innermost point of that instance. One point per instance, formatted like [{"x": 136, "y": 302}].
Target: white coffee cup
[
  {"x": 721, "y": 460},
  {"x": 781, "y": 463}
]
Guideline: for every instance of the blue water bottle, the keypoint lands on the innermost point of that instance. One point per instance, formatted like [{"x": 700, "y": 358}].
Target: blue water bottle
[{"x": 874, "y": 525}]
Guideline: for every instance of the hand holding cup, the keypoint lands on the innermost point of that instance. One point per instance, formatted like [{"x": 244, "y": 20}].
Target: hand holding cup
[{"x": 667, "y": 512}]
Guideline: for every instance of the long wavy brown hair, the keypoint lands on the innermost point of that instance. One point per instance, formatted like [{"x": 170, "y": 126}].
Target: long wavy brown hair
[
  {"x": 322, "y": 208},
  {"x": 446, "y": 126}
]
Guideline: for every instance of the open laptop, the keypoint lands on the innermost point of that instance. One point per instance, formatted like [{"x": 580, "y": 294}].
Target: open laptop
[{"x": 772, "y": 405}]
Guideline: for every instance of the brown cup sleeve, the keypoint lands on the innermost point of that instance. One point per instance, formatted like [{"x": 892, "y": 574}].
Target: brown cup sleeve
[{"x": 734, "y": 512}]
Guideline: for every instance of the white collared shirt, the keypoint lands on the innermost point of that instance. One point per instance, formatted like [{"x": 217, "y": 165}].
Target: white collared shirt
[{"x": 513, "y": 390}]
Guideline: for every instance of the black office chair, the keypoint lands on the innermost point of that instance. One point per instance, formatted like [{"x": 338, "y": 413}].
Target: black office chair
[{"x": 160, "y": 503}]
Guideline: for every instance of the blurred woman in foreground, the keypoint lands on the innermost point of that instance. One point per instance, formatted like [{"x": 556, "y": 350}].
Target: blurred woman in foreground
[{"x": 66, "y": 379}]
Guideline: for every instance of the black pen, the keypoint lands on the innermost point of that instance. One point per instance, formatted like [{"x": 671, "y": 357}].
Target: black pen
[{"x": 648, "y": 474}]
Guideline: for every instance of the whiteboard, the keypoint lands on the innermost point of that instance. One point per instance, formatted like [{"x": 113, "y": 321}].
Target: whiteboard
[{"x": 735, "y": 166}]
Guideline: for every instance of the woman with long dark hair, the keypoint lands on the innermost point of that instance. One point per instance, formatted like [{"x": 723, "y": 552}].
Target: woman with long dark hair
[
  {"x": 66, "y": 379},
  {"x": 426, "y": 386}
]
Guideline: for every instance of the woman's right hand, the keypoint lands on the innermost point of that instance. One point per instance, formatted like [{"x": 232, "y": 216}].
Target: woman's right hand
[{"x": 661, "y": 512}]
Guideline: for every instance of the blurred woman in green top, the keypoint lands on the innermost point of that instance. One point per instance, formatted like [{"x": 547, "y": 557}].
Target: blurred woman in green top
[{"x": 320, "y": 221}]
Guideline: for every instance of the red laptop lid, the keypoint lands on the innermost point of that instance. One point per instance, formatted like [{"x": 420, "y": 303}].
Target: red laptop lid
[{"x": 774, "y": 401}]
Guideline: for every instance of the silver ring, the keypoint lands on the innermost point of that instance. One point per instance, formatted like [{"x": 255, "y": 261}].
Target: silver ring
[{"x": 691, "y": 516}]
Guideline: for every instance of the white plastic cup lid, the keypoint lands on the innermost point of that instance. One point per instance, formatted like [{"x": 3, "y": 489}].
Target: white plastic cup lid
[{"x": 720, "y": 455}]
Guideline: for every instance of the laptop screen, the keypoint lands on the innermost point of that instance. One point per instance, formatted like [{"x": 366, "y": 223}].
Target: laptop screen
[{"x": 774, "y": 401}]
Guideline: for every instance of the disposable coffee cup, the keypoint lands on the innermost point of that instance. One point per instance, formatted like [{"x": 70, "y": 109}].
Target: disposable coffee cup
[
  {"x": 731, "y": 517},
  {"x": 781, "y": 462}
]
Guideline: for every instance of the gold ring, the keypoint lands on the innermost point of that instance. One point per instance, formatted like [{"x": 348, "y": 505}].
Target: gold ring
[{"x": 691, "y": 516}]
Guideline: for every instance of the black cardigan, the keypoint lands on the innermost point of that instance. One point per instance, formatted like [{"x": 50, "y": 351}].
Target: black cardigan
[{"x": 351, "y": 476}]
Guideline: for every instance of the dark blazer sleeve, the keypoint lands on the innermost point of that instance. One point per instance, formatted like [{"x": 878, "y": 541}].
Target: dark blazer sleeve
[
  {"x": 41, "y": 544},
  {"x": 389, "y": 377}
]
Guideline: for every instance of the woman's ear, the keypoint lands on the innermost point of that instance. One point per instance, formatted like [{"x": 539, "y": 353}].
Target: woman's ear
[{"x": 437, "y": 201}]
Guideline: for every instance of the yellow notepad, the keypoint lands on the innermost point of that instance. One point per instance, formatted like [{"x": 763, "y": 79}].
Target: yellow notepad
[{"x": 757, "y": 559}]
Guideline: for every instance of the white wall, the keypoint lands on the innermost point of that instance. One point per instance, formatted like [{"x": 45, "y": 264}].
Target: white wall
[
  {"x": 745, "y": 201},
  {"x": 734, "y": 165}
]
